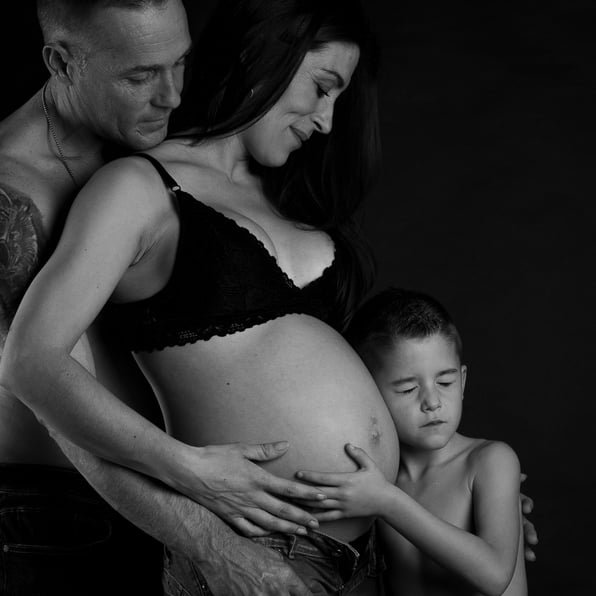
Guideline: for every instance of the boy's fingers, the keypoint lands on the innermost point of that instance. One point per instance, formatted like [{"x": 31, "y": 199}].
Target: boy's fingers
[{"x": 359, "y": 455}]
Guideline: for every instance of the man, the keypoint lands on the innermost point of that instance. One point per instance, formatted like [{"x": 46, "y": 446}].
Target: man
[{"x": 116, "y": 72}]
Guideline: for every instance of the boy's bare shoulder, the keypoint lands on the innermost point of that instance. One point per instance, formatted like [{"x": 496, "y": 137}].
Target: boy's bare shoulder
[{"x": 489, "y": 456}]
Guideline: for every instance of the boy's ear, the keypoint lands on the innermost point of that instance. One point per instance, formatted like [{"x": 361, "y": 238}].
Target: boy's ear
[{"x": 464, "y": 374}]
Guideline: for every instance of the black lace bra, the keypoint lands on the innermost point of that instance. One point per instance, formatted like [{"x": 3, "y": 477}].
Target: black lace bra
[{"x": 224, "y": 280}]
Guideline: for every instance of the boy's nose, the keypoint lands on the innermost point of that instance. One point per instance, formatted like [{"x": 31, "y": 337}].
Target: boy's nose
[{"x": 430, "y": 401}]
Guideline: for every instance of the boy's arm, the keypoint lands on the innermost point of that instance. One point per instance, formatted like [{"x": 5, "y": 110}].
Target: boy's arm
[
  {"x": 230, "y": 563},
  {"x": 485, "y": 559}
]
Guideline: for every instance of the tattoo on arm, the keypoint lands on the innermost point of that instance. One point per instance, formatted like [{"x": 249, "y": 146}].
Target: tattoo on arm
[{"x": 21, "y": 241}]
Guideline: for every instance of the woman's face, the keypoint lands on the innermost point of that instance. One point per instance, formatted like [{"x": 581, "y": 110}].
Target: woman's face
[{"x": 305, "y": 107}]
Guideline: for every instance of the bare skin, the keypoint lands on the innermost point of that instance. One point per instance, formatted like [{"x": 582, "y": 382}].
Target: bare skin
[
  {"x": 312, "y": 389},
  {"x": 35, "y": 194},
  {"x": 451, "y": 525}
]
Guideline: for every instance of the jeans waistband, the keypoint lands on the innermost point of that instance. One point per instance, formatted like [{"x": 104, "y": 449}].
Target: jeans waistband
[
  {"x": 49, "y": 480},
  {"x": 350, "y": 556}
]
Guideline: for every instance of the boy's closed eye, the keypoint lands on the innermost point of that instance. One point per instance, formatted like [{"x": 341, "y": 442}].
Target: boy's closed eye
[{"x": 406, "y": 390}]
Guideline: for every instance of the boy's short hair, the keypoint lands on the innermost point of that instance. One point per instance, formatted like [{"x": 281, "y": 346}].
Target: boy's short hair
[{"x": 397, "y": 312}]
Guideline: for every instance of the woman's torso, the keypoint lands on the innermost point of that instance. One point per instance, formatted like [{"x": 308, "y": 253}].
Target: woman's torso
[{"x": 291, "y": 377}]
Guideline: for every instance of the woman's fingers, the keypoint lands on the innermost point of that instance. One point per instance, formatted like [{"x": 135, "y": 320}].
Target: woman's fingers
[
  {"x": 324, "y": 479},
  {"x": 333, "y": 515}
]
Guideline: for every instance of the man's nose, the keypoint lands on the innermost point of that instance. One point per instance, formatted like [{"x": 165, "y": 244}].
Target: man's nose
[{"x": 168, "y": 92}]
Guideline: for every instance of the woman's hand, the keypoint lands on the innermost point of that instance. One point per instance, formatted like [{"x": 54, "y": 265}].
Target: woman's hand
[
  {"x": 349, "y": 494},
  {"x": 530, "y": 534},
  {"x": 228, "y": 482}
]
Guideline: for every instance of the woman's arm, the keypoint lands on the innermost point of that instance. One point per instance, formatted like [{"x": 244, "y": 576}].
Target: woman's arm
[
  {"x": 187, "y": 527},
  {"x": 485, "y": 559},
  {"x": 112, "y": 226}
]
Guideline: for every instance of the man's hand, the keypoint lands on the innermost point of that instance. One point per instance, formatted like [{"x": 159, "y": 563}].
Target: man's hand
[
  {"x": 530, "y": 534},
  {"x": 244, "y": 568},
  {"x": 254, "y": 502}
]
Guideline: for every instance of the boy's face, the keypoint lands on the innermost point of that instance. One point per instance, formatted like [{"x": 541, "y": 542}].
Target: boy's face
[{"x": 422, "y": 382}]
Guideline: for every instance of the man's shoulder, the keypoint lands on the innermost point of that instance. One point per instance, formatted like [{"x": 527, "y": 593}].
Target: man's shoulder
[
  {"x": 18, "y": 211},
  {"x": 22, "y": 241}
]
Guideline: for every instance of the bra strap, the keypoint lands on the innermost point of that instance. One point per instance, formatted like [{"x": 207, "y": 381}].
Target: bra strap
[{"x": 168, "y": 180}]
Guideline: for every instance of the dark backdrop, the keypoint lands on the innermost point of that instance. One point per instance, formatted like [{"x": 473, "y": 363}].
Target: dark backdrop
[{"x": 485, "y": 201}]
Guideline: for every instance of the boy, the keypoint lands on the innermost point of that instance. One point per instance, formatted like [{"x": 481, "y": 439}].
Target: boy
[{"x": 451, "y": 524}]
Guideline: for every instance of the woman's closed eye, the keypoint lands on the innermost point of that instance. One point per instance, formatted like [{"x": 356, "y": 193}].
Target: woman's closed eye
[{"x": 322, "y": 91}]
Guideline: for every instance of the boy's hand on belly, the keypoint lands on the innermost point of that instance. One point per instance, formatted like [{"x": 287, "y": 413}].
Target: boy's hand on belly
[
  {"x": 349, "y": 494},
  {"x": 244, "y": 495}
]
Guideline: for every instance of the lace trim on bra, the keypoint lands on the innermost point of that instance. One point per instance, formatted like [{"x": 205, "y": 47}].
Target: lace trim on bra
[{"x": 176, "y": 338}]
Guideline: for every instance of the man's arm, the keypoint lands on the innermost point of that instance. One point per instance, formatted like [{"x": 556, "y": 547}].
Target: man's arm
[{"x": 231, "y": 564}]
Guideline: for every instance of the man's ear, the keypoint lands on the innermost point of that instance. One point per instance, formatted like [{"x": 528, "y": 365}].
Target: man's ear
[
  {"x": 464, "y": 375},
  {"x": 58, "y": 60}
]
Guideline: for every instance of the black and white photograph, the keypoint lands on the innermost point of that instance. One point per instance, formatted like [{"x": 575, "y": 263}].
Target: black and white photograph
[{"x": 297, "y": 298}]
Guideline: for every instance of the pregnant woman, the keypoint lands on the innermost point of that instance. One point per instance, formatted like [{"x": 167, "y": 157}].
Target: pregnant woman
[{"x": 228, "y": 260}]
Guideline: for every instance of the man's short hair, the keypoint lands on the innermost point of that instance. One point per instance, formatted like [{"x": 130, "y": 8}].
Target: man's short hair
[
  {"x": 399, "y": 313},
  {"x": 63, "y": 16}
]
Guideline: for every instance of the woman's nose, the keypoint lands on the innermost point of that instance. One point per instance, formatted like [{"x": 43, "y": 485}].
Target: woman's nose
[{"x": 323, "y": 119}]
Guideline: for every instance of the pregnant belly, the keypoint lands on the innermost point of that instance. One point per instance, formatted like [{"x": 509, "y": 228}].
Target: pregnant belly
[{"x": 292, "y": 379}]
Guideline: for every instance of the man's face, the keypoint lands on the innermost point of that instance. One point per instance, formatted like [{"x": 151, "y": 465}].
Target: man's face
[{"x": 133, "y": 73}]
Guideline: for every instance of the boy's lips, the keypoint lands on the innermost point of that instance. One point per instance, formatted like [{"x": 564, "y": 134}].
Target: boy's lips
[{"x": 436, "y": 422}]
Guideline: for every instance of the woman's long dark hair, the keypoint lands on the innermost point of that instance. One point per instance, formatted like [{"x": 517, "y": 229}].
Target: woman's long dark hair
[{"x": 243, "y": 62}]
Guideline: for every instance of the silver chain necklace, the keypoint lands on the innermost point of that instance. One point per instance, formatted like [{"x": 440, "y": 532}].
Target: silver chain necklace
[{"x": 52, "y": 131}]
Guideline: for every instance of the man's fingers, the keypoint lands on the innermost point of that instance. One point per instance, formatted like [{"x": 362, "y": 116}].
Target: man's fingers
[
  {"x": 247, "y": 528},
  {"x": 529, "y": 554},
  {"x": 273, "y": 523},
  {"x": 530, "y": 534},
  {"x": 527, "y": 503}
]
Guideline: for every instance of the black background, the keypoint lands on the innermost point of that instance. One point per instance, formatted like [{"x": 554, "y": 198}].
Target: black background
[{"x": 485, "y": 201}]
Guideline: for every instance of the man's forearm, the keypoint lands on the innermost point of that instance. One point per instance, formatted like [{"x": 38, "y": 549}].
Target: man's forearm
[
  {"x": 168, "y": 516},
  {"x": 231, "y": 564}
]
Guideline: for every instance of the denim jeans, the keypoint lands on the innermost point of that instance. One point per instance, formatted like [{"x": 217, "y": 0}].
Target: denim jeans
[
  {"x": 58, "y": 537},
  {"x": 326, "y": 565}
]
